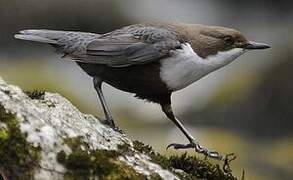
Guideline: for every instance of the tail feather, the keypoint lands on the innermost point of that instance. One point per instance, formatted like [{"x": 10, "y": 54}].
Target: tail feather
[
  {"x": 35, "y": 38},
  {"x": 65, "y": 42},
  {"x": 41, "y": 35}
]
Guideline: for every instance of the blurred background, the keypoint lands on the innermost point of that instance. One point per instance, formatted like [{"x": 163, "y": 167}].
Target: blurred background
[{"x": 246, "y": 107}]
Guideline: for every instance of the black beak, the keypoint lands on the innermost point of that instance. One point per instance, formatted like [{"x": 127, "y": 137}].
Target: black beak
[{"x": 254, "y": 45}]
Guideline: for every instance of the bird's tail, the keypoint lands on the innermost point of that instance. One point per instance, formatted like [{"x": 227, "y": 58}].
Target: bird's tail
[
  {"x": 65, "y": 42},
  {"x": 41, "y": 35}
]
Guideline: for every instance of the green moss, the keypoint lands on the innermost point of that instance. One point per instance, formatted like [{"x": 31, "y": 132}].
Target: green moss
[
  {"x": 192, "y": 167},
  {"x": 155, "y": 176},
  {"x": 35, "y": 94},
  {"x": 3, "y": 135},
  {"x": 84, "y": 163},
  {"x": 156, "y": 157},
  {"x": 17, "y": 157}
]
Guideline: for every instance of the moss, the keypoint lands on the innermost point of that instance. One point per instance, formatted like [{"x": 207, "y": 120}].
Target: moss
[
  {"x": 35, "y": 94},
  {"x": 17, "y": 157},
  {"x": 3, "y": 134},
  {"x": 155, "y": 176},
  {"x": 39, "y": 95},
  {"x": 84, "y": 163},
  {"x": 192, "y": 167},
  {"x": 123, "y": 148}
]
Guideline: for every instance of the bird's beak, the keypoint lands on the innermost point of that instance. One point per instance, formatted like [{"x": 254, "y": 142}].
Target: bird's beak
[{"x": 254, "y": 45}]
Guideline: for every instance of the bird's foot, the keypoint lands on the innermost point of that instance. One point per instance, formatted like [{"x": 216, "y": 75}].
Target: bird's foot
[
  {"x": 200, "y": 149},
  {"x": 111, "y": 124}
]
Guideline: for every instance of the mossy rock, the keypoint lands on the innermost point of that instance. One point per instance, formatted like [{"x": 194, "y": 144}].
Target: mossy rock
[
  {"x": 84, "y": 163},
  {"x": 84, "y": 148},
  {"x": 35, "y": 94},
  {"x": 191, "y": 167},
  {"x": 18, "y": 158}
]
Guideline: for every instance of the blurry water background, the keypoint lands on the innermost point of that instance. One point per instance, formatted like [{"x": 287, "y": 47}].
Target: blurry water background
[{"x": 246, "y": 107}]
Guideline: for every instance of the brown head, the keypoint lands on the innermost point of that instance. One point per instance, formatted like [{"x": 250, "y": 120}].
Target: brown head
[{"x": 209, "y": 40}]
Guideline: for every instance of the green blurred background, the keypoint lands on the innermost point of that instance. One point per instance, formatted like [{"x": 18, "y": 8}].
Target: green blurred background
[{"x": 246, "y": 107}]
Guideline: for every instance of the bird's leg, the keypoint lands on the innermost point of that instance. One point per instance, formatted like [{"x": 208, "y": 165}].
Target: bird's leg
[
  {"x": 167, "y": 109},
  {"x": 98, "y": 86}
]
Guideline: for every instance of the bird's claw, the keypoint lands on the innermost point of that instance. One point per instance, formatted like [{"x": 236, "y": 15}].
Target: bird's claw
[
  {"x": 109, "y": 122},
  {"x": 213, "y": 154},
  {"x": 112, "y": 125},
  {"x": 180, "y": 146},
  {"x": 198, "y": 148}
]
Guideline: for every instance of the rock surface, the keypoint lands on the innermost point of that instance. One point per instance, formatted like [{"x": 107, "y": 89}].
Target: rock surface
[
  {"x": 49, "y": 120},
  {"x": 43, "y": 136}
]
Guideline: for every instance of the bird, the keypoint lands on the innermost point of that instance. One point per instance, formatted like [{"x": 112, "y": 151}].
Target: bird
[{"x": 151, "y": 60}]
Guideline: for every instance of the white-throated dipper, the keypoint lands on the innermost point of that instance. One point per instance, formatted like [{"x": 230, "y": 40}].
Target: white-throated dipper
[{"x": 151, "y": 60}]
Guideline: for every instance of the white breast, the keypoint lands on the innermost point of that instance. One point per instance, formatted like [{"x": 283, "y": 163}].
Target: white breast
[{"x": 185, "y": 66}]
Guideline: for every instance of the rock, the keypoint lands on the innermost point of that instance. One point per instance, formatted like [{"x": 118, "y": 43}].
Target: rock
[{"x": 43, "y": 136}]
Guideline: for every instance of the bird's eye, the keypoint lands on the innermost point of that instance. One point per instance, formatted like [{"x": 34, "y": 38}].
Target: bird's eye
[{"x": 229, "y": 40}]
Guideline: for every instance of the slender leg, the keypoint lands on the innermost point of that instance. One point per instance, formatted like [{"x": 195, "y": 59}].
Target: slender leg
[
  {"x": 167, "y": 109},
  {"x": 98, "y": 86}
]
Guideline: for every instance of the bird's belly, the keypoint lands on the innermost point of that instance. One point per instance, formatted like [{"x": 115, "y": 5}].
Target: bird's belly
[{"x": 139, "y": 79}]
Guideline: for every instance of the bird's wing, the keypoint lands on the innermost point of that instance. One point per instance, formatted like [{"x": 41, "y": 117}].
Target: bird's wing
[{"x": 132, "y": 45}]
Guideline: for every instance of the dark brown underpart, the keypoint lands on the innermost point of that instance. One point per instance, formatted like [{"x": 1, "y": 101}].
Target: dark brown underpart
[{"x": 144, "y": 80}]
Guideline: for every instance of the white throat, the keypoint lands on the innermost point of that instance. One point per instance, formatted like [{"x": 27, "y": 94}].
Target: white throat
[{"x": 185, "y": 66}]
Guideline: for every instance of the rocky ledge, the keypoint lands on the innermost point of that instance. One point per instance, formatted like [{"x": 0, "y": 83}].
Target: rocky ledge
[{"x": 43, "y": 136}]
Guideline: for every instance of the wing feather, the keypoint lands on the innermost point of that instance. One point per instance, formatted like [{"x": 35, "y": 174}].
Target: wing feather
[{"x": 131, "y": 47}]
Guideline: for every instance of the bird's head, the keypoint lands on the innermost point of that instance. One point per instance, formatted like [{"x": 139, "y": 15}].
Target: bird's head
[{"x": 220, "y": 43}]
